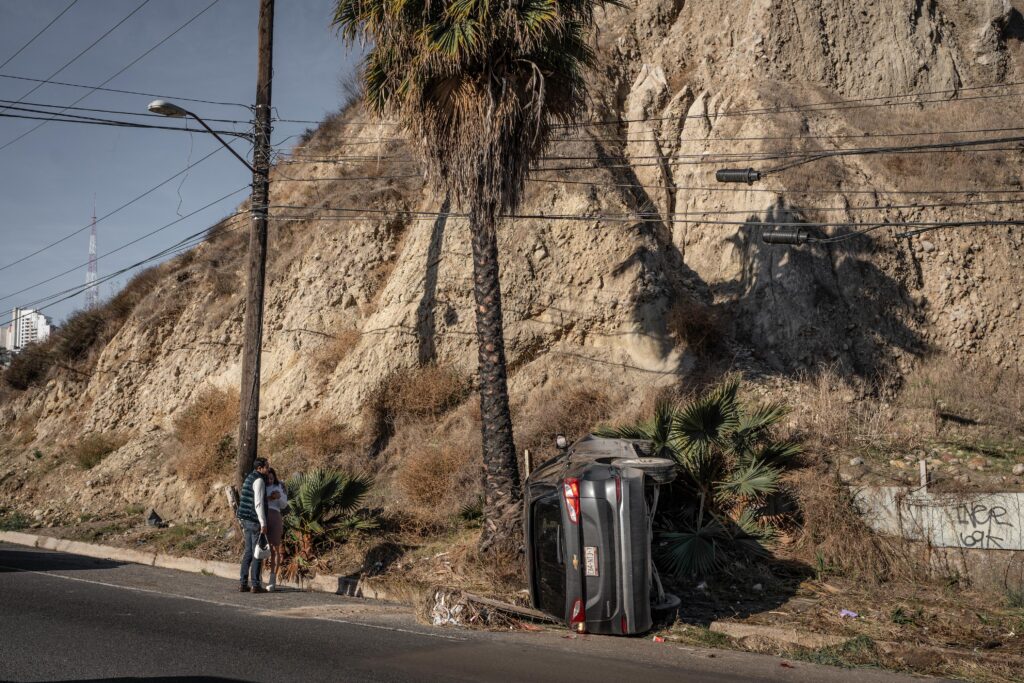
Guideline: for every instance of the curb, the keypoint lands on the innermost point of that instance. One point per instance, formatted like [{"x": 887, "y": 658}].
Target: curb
[{"x": 321, "y": 583}]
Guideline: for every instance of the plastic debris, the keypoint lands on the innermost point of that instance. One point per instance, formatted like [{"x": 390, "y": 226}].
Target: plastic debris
[
  {"x": 702, "y": 586},
  {"x": 658, "y": 639},
  {"x": 847, "y": 614},
  {"x": 786, "y": 665}
]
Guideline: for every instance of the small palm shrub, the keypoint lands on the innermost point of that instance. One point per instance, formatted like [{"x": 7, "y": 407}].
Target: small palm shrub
[
  {"x": 323, "y": 509},
  {"x": 727, "y": 500}
]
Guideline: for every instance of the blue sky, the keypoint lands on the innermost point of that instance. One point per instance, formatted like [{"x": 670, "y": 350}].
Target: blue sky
[{"x": 50, "y": 176}]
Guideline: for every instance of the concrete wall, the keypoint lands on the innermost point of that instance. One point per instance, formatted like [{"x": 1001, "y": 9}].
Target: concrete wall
[{"x": 977, "y": 536}]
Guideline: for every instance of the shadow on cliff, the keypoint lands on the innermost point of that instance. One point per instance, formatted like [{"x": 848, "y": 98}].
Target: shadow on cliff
[{"x": 805, "y": 307}]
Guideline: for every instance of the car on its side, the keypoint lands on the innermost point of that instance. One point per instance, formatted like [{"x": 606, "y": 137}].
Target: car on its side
[{"x": 588, "y": 523}]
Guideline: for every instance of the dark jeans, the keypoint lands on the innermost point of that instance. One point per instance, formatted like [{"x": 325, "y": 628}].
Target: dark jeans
[{"x": 251, "y": 567}]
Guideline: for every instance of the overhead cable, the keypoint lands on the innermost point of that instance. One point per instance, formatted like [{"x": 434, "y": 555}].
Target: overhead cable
[{"x": 39, "y": 33}]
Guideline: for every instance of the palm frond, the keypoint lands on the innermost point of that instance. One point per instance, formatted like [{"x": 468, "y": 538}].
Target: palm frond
[{"x": 753, "y": 481}]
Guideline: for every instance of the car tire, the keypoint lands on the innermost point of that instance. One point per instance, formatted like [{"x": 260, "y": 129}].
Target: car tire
[
  {"x": 666, "y": 612},
  {"x": 660, "y": 470}
]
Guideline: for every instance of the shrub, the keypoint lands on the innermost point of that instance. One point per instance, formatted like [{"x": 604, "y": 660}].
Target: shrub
[
  {"x": 699, "y": 325},
  {"x": 206, "y": 430},
  {"x": 307, "y": 443},
  {"x": 569, "y": 408},
  {"x": 30, "y": 366},
  {"x": 436, "y": 478},
  {"x": 91, "y": 449},
  {"x": 728, "y": 497},
  {"x": 334, "y": 351},
  {"x": 322, "y": 510},
  {"x": 419, "y": 392},
  {"x": 12, "y": 520}
]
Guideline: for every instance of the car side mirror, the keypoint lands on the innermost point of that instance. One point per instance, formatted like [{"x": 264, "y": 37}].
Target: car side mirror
[{"x": 561, "y": 442}]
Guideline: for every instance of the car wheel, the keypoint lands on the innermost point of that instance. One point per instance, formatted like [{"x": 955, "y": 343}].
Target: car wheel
[
  {"x": 660, "y": 470},
  {"x": 666, "y": 611}
]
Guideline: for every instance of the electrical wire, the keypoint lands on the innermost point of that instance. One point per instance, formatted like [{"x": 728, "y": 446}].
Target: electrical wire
[
  {"x": 89, "y": 120},
  {"x": 118, "y": 73},
  {"x": 39, "y": 33},
  {"x": 119, "y": 111},
  {"x": 126, "y": 92},
  {"x": 148, "y": 192},
  {"x": 80, "y": 54},
  {"x": 126, "y": 244}
]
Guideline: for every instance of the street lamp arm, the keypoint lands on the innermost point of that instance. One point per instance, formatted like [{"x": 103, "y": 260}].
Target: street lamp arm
[{"x": 221, "y": 140}]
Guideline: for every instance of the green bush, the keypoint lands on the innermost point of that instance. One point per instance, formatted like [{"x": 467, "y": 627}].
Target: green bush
[
  {"x": 322, "y": 510},
  {"x": 727, "y": 500},
  {"x": 12, "y": 520}
]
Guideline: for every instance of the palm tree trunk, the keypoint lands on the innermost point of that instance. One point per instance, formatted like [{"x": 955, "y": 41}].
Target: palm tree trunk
[{"x": 502, "y": 488}]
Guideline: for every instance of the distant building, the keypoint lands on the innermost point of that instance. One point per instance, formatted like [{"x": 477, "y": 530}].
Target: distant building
[
  {"x": 5, "y": 338},
  {"x": 26, "y": 326}
]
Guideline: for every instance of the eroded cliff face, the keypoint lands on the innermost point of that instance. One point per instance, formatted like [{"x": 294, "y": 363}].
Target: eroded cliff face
[{"x": 599, "y": 301}]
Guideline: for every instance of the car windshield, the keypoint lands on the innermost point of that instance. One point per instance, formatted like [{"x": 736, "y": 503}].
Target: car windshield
[{"x": 550, "y": 566}]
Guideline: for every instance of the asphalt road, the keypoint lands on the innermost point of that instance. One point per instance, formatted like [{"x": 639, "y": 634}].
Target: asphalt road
[{"x": 64, "y": 617}]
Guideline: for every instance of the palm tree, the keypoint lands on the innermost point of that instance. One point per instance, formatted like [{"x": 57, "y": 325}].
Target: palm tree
[
  {"x": 322, "y": 510},
  {"x": 727, "y": 498},
  {"x": 479, "y": 85}
]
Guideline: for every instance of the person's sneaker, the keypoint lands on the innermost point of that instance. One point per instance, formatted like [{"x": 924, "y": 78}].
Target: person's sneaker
[
  {"x": 258, "y": 589},
  {"x": 243, "y": 588}
]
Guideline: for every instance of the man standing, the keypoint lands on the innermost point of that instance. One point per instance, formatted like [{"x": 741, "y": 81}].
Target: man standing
[{"x": 252, "y": 514}]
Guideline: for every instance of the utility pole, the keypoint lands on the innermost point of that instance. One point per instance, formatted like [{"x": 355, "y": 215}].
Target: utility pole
[{"x": 249, "y": 419}]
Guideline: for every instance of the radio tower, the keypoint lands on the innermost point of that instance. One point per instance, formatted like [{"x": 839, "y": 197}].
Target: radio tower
[{"x": 92, "y": 293}]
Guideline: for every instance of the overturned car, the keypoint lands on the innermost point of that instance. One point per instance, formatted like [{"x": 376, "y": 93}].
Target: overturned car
[{"x": 588, "y": 523}]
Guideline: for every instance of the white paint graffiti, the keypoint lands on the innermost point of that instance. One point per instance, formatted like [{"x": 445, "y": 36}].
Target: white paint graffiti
[{"x": 988, "y": 521}]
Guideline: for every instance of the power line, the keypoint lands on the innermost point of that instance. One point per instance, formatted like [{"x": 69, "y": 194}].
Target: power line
[
  {"x": 90, "y": 46},
  {"x": 118, "y": 73},
  {"x": 126, "y": 244},
  {"x": 39, "y": 33},
  {"x": 89, "y": 120},
  {"x": 125, "y": 92},
  {"x": 111, "y": 213},
  {"x": 120, "y": 111}
]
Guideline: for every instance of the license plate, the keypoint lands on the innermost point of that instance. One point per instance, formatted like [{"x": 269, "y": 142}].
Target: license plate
[{"x": 590, "y": 561}]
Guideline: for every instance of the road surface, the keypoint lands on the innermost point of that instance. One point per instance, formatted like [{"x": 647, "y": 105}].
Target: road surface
[{"x": 64, "y": 617}]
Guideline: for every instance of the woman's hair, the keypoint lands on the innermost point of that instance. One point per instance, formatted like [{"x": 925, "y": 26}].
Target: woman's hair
[{"x": 272, "y": 472}]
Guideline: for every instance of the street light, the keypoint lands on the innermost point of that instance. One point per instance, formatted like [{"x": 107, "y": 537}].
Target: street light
[{"x": 165, "y": 108}]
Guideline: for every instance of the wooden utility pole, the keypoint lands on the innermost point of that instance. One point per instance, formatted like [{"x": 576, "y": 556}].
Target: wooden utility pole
[{"x": 249, "y": 422}]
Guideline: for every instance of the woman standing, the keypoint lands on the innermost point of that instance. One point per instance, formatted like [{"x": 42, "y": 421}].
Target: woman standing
[{"x": 277, "y": 501}]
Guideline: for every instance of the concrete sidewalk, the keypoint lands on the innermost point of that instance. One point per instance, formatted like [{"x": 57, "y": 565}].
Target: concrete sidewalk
[{"x": 321, "y": 583}]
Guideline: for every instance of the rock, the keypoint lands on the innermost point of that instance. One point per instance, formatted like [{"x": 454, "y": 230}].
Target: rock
[
  {"x": 927, "y": 246},
  {"x": 856, "y": 462},
  {"x": 757, "y": 587},
  {"x": 898, "y": 464},
  {"x": 977, "y": 463},
  {"x": 154, "y": 519},
  {"x": 1018, "y": 469}
]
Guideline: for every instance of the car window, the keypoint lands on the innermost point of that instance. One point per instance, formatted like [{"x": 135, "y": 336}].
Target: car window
[{"x": 549, "y": 556}]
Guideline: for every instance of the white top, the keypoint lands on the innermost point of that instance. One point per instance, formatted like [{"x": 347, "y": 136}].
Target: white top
[
  {"x": 280, "y": 503},
  {"x": 259, "y": 489}
]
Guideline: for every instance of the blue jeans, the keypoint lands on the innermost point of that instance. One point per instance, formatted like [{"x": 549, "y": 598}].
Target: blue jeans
[{"x": 251, "y": 567}]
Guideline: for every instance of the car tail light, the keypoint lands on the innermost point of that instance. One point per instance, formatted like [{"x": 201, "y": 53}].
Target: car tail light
[
  {"x": 579, "y": 616},
  {"x": 618, "y": 489},
  {"x": 625, "y": 625},
  {"x": 571, "y": 491}
]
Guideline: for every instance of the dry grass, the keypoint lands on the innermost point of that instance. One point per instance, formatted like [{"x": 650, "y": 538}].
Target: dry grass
[
  {"x": 336, "y": 349},
  {"x": 699, "y": 325},
  {"x": 417, "y": 393},
  {"x": 992, "y": 399},
  {"x": 91, "y": 449},
  {"x": 835, "y": 538},
  {"x": 311, "y": 442},
  {"x": 563, "y": 407},
  {"x": 206, "y": 432}
]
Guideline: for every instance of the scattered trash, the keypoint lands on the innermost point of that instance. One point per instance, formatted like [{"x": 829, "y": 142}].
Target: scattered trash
[
  {"x": 658, "y": 639},
  {"x": 786, "y": 665},
  {"x": 757, "y": 587},
  {"x": 702, "y": 586},
  {"x": 847, "y": 614}
]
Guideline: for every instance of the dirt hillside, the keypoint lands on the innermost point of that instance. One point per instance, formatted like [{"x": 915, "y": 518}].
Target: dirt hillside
[{"x": 667, "y": 283}]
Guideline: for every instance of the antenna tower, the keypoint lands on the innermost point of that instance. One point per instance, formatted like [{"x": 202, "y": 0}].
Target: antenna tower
[{"x": 92, "y": 294}]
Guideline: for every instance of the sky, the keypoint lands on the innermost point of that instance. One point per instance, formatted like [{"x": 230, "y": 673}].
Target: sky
[{"x": 50, "y": 177}]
